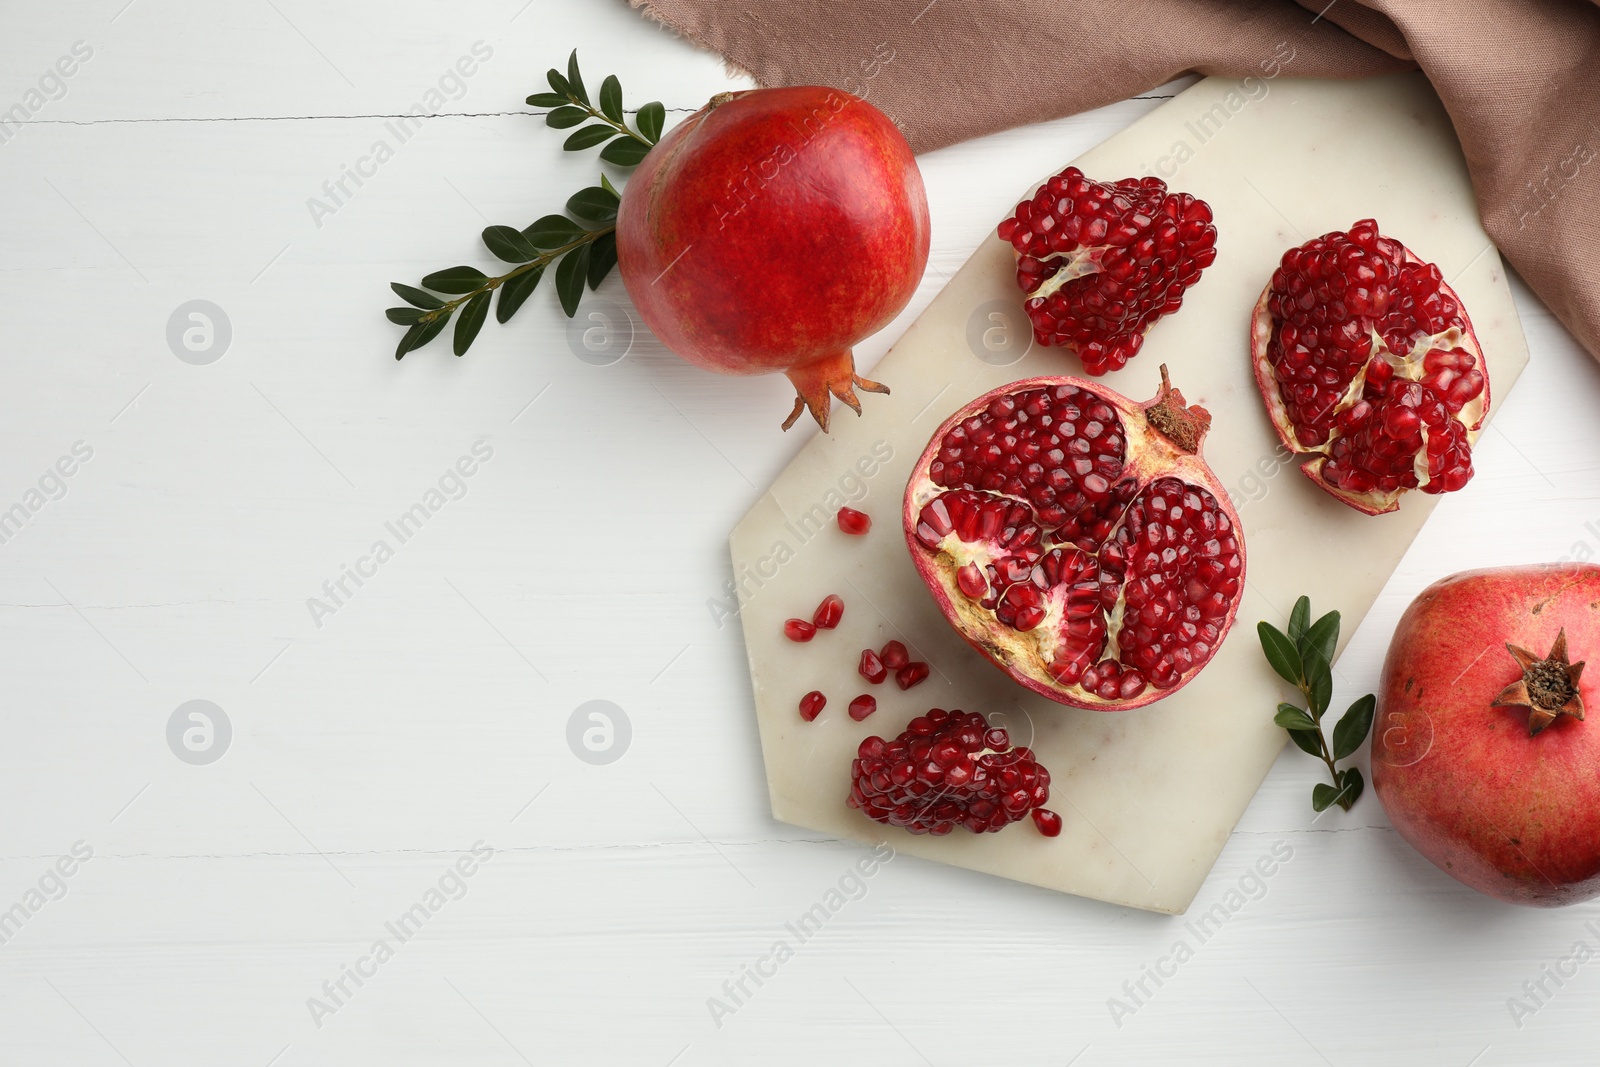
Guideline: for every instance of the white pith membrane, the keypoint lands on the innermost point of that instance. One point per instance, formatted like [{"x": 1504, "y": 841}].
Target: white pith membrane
[
  {"x": 1079, "y": 263},
  {"x": 1031, "y": 652}
]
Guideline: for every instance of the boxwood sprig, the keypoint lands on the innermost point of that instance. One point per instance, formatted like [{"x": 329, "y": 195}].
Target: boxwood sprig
[{"x": 1304, "y": 658}]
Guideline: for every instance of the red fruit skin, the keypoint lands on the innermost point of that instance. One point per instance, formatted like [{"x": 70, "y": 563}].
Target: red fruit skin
[
  {"x": 772, "y": 230},
  {"x": 1512, "y": 816}
]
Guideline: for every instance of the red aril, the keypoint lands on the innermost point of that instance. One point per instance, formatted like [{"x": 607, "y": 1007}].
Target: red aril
[
  {"x": 862, "y": 706},
  {"x": 1048, "y": 822},
  {"x": 1078, "y": 540},
  {"x": 871, "y": 667},
  {"x": 799, "y": 630},
  {"x": 1101, "y": 262},
  {"x": 854, "y": 522},
  {"x": 894, "y": 655},
  {"x": 828, "y": 613},
  {"x": 947, "y": 769},
  {"x": 1481, "y": 751},
  {"x": 911, "y": 674},
  {"x": 811, "y": 705},
  {"x": 1369, "y": 367},
  {"x": 771, "y": 231}
]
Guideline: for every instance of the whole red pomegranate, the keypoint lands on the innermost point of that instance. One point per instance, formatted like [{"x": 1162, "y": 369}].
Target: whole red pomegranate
[
  {"x": 1078, "y": 540},
  {"x": 1368, "y": 364},
  {"x": 771, "y": 231},
  {"x": 1100, "y": 262},
  {"x": 1481, "y": 754}
]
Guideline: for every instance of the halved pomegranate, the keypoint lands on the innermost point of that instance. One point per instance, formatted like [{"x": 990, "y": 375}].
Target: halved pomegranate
[
  {"x": 1078, "y": 540},
  {"x": 1368, "y": 364},
  {"x": 1100, "y": 262}
]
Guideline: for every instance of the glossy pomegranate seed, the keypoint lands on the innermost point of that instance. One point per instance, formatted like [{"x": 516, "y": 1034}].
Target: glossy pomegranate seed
[
  {"x": 799, "y": 630},
  {"x": 1101, "y": 262},
  {"x": 911, "y": 674},
  {"x": 871, "y": 667},
  {"x": 947, "y": 769},
  {"x": 811, "y": 705},
  {"x": 828, "y": 613},
  {"x": 1374, "y": 364},
  {"x": 1048, "y": 822},
  {"x": 894, "y": 655},
  {"x": 854, "y": 522},
  {"x": 862, "y": 706}
]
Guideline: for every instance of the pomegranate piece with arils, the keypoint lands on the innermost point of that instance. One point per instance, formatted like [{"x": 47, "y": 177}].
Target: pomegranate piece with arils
[
  {"x": 1100, "y": 263},
  {"x": 948, "y": 769},
  {"x": 1368, "y": 365},
  {"x": 1078, "y": 540}
]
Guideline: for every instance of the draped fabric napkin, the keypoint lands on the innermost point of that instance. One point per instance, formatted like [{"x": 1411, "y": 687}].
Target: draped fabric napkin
[{"x": 1519, "y": 78}]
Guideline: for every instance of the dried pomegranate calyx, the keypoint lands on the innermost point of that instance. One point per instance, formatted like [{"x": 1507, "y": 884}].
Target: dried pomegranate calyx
[{"x": 1548, "y": 687}]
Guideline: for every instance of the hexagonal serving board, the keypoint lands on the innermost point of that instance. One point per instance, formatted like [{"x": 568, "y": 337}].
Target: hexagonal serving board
[{"x": 1148, "y": 797}]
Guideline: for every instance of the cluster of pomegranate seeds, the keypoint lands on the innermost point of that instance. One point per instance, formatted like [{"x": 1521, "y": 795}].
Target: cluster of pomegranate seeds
[
  {"x": 1374, "y": 365},
  {"x": 949, "y": 769},
  {"x": 854, "y": 522},
  {"x": 1101, "y": 262},
  {"x": 828, "y": 613},
  {"x": 799, "y": 630},
  {"x": 862, "y": 706},
  {"x": 811, "y": 705},
  {"x": 1051, "y": 521}
]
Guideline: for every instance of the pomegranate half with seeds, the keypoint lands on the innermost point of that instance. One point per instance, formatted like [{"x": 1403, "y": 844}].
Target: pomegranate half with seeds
[
  {"x": 1078, "y": 540},
  {"x": 1368, "y": 365},
  {"x": 1100, "y": 262}
]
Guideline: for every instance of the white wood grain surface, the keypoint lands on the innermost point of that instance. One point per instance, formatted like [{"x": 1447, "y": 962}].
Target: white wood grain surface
[{"x": 425, "y": 715}]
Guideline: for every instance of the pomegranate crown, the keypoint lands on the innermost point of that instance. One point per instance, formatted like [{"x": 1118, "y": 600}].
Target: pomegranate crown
[{"x": 1184, "y": 426}]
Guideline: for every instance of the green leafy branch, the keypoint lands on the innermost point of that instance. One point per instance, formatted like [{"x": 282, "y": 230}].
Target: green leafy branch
[
  {"x": 582, "y": 247},
  {"x": 1304, "y": 658}
]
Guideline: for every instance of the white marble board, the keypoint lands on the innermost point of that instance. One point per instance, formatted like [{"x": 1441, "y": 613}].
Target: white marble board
[{"x": 1150, "y": 796}]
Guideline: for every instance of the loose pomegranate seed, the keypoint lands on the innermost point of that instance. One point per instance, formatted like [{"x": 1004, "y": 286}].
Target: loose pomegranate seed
[
  {"x": 871, "y": 667},
  {"x": 1355, "y": 305},
  {"x": 799, "y": 630},
  {"x": 862, "y": 706},
  {"x": 811, "y": 705},
  {"x": 948, "y": 769},
  {"x": 1048, "y": 822},
  {"x": 894, "y": 655},
  {"x": 1101, "y": 262},
  {"x": 854, "y": 522},
  {"x": 828, "y": 613},
  {"x": 911, "y": 674}
]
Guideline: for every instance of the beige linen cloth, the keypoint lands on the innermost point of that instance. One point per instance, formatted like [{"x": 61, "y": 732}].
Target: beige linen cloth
[{"x": 1520, "y": 79}]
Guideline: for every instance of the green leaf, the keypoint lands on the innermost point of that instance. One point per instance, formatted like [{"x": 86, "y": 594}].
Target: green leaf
[
  {"x": 470, "y": 321},
  {"x": 562, "y": 117},
  {"x": 602, "y": 257},
  {"x": 1354, "y": 727},
  {"x": 515, "y": 291},
  {"x": 416, "y": 297},
  {"x": 605, "y": 183},
  {"x": 558, "y": 83},
  {"x": 1351, "y": 786},
  {"x": 1280, "y": 652},
  {"x": 455, "y": 280},
  {"x": 1292, "y": 718},
  {"x": 588, "y": 137},
  {"x": 404, "y": 316},
  {"x": 594, "y": 203},
  {"x": 553, "y": 231},
  {"x": 546, "y": 100},
  {"x": 507, "y": 243},
  {"x": 574, "y": 80},
  {"x": 1309, "y": 743},
  {"x": 1321, "y": 679},
  {"x": 569, "y": 278},
  {"x": 1322, "y": 794},
  {"x": 624, "y": 152},
  {"x": 611, "y": 98},
  {"x": 651, "y": 118},
  {"x": 1321, "y": 638},
  {"x": 420, "y": 334},
  {"x": 1299, "y": 618}
]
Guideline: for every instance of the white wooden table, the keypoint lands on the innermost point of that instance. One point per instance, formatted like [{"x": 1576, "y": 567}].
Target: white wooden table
[{"x": 228, "y": 911}]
